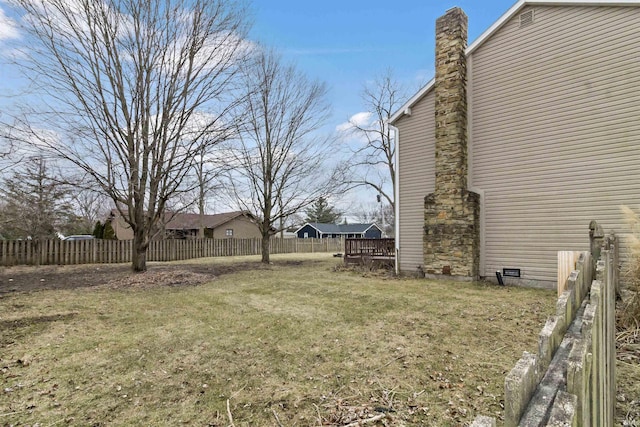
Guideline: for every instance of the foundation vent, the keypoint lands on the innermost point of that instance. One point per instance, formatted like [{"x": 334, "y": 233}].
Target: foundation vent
[{"x": 526, "y": 18}]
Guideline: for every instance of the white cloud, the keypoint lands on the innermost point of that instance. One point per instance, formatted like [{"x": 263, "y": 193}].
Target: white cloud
[
  {"x": 8, "y": 27},
  {"x": 362, "y": 119}
]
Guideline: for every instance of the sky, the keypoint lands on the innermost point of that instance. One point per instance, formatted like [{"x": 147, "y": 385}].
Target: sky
[
  {"x": 345, "y": 43},
  {"x": 348, "y": 43}
]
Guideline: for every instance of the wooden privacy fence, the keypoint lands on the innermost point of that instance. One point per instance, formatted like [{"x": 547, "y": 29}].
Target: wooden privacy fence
[
  {"x": 67, "y": 252},
  {"x": 571, "y": 380}
]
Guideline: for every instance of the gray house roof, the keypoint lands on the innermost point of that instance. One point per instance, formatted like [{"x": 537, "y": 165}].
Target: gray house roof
[
  {"x": 339, "y": 228},
  {"x": 186, "y": 221}
]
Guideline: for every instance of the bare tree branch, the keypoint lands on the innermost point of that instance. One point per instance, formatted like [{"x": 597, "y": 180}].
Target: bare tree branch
[
  {"x": 373, "y": 163},
  {"x": 135, "y": 90},
  {"x": 280, "y": 164}
]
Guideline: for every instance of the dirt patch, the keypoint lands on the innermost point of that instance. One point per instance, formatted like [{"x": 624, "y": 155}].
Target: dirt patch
[
  {"x": 15, "y": 329},
  {"x": 52, "y": 277},
  {"x": 152, "y": 279},
  {"x": 27, "y": 321}
]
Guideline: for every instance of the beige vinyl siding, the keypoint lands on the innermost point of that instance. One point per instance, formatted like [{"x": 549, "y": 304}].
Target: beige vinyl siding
[
  {"x": 243, "y": 228},
  {"x": 416, "y": 157},
  {"x": 555, "y": 132}
]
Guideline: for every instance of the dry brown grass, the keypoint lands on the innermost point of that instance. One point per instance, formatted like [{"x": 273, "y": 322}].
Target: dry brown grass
[
  {"x": 629, "y": 316},
  {"x": 628, "y": 337},
  {"x": 628, "y": 378},
  {"x": 297, "y": 343}
]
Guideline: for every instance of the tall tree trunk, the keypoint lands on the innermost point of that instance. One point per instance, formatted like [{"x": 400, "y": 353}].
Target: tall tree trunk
[
  {"x": 36, "y": 252},
  {"x": 281, "y": 218},
  {"x": 201, "y": 194},
  {"x": 139, "y": 252},
  {"x": 201, "y": 216},
  {"x": 265, "y": 246}
]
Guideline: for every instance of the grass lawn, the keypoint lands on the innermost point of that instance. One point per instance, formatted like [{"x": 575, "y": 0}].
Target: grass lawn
[{"x": 298, "y": 343}]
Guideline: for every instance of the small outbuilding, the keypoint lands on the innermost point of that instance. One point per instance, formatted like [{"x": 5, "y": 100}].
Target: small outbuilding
[{"x": 318, "y": 230}]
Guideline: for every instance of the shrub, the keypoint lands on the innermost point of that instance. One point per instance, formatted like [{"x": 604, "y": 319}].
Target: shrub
[
  {"x": 98, "y": 230},
  {"x": 109, "y": 233}
]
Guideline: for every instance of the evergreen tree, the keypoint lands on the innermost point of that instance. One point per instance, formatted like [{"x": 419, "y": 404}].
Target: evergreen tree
[
  {"x": 36, "y": 204},
  {"x": 321, "y": 212},
  {"x": 98, "y": 230},
  {"x": 109, "y": 233}
]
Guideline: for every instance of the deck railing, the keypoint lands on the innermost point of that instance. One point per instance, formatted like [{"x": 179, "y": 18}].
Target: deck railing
[{"x": 369, "y": 249}]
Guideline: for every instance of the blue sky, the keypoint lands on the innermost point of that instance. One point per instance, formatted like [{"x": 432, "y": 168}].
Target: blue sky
[
  {"x": 347, "y": 43},
  {"x": 344, "y": 43}
]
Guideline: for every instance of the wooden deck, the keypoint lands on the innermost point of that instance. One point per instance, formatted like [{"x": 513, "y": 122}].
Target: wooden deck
[{"x": 369, "y": 250}]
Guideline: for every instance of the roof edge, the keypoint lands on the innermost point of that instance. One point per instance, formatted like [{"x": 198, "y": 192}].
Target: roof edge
[
  {"x": 496, "y": 26},
  {"x": 304, "y": 225},
  {"x": 373, "y": 224},
  {"x": 310, "y": 224},
  {"x": 522, "y": 3},
  {"x": 412, "y": 101}
]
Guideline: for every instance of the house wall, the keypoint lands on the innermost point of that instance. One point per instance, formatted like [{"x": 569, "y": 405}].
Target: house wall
[
  {"x": 307, "y": 229},
  {"x": 122, "y": 230},
  {"x": 416, "y": 172},
  {"x": 243, "y": 228},
  {"x": 554, "y": 133},
  {"x": 373, "y": 233}
]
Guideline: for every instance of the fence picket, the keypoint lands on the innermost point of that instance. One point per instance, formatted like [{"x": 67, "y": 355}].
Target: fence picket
[
  {"x": 60, "y": 252},
  {"x": 579, "y": 369}
]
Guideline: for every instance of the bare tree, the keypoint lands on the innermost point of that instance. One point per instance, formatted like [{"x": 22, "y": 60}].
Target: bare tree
[
  {"x": 373, "y": 162},
  {"x": 280, "y": 162},
  {"x": 9, "y": 155},
  {"x": 210, "y": 168},
  {"x": 366, "y": 213},
  {"x": 134, "y": 90},
  {"x": 379, "y": 213},
  {"x": 6, "y": 149},
  {"x": 90, "y": 205}
]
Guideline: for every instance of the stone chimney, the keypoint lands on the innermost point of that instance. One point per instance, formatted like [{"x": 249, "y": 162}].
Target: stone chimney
[{"x": 452, "y": 213}]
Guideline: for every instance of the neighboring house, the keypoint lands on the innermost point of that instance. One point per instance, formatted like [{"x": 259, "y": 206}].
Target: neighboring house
[
  {"x": 286, "y": 234},
  {"x": 353, "y": 231},
  {"x": 238, "y": 224},
  {"x": 521, "y": 139}
]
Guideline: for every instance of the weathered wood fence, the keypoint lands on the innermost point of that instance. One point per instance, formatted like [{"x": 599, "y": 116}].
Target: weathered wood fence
[
  {"x": 571, "y": 380},
  {"x": 64, "y": 252}
]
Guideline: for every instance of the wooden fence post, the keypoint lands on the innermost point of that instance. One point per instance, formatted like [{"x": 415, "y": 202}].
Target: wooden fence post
[{"x": 71, "y": 252}]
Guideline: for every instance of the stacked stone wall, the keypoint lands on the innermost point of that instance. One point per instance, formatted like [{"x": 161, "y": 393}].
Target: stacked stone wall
[
  {"x": 571, "y": 380},
  {"x": 452, "y": 213}
]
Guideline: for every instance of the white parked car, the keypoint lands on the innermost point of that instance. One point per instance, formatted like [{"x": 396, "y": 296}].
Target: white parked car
[{"x": 79, "y": 237}]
